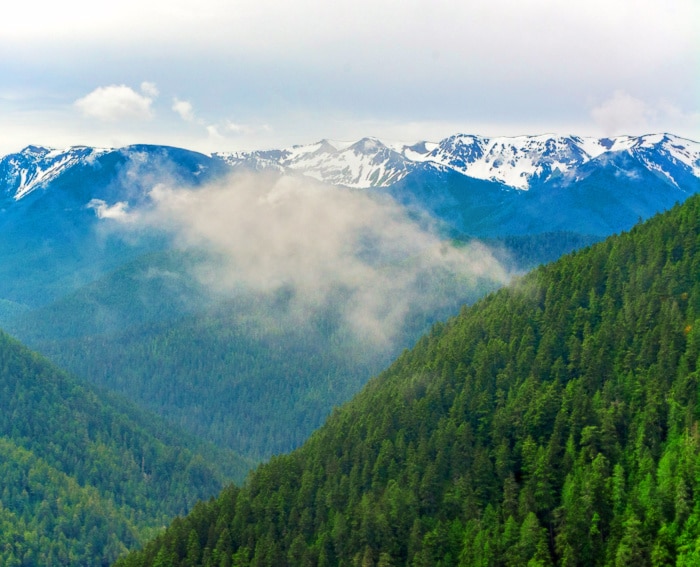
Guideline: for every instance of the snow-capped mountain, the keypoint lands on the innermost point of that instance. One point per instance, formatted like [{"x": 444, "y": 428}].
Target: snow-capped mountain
[
  {"x": 474, "y": 184},
  {"x": 127, "y": 171},
  {"x": 59, "y": 212},
  {"x": 362, "y": 164},
  {"x": 36, "y": 166},
  {"x": 60, "y": 204},
  {"x": 519, "y": 162},
  {"x": 515, "y": 162}
]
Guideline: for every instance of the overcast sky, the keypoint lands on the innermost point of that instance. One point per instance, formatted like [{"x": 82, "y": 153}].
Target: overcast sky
[{"x": 243, "y": 74}]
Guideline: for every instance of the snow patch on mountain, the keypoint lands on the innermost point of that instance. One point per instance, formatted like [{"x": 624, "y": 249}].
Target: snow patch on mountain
[
  {"x": 365, "y": 163},
  {"x": 36, "y": 166},
  {"x": 519, "y": 162}
]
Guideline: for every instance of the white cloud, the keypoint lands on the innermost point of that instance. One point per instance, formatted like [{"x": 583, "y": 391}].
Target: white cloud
[
  {"x": 213, "y": 131},
  {"x": 623, "y": 113},
  {"x": 118, "y": 211},
  {"x": 184, "y": 109},
  {"x": 324, "y": 245},
  {"x": 228, "y": 128},
  {"x": 149, "y": 89},
  {"x": 118, "y": 102},
  {"x": 236, "y": 128}
]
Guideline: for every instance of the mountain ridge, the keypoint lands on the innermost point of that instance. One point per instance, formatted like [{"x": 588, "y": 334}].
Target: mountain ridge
[{"x": 519, "y": 162}]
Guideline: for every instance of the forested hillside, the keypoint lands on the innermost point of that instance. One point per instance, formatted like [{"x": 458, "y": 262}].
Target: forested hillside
[
  {"x": 152, "y": 333},
  {"x": 237, "y": 371},
  {"x": 555, "y": 422},
  {"x": 84, "y": 476}
]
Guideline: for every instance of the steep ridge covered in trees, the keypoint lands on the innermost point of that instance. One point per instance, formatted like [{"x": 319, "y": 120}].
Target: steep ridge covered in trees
[
  {"x": 85, "y": 476},
  {"x": 555, "y": 422}
]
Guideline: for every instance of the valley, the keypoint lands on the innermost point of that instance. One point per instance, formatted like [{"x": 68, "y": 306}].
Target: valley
[
  {"x": 227, "y": 306},
  {"x": 554, "y": 422}
]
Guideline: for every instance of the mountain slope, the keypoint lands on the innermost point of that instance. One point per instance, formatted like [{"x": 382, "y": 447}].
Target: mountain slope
[
  {"x": 84, "y": 476},
  {"x": 239, "y": 371},
  {"x": 57, "y": 211},
  {"x": 490, "y": 187},
  {"x": 520, "y": 162},
  {"x": 553, "y": 422}
]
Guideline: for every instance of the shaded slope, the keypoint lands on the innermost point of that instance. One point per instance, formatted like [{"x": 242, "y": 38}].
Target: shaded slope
[
  {"x": 52, "y": 240},
  {"x": 84, "y": 476},
  {"x": 155, "y": 287},
  {"x": 554, "y": 422},
  {"x": 609, "y": 194}
]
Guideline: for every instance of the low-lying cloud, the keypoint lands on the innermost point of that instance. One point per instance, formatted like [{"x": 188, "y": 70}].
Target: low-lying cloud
[{"x": 323, "y": 246}]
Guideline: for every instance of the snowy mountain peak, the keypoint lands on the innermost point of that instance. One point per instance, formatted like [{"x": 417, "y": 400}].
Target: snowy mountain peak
[
  {"x": 365, "y": 163},
  {"x": 523, "y": 160},
  {"x": 326, "y": 146},
  {"x": 511, "y": 161},
  {"x": 367, "y": 146},
  {"x": 520, "y": 162},
  {"x": 36, "y": 166}
]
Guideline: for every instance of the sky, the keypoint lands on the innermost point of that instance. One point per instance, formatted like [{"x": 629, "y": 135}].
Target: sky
[{"x": 227, "y": 75}]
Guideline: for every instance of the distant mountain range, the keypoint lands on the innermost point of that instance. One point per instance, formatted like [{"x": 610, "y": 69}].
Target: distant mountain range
[
  {"x": 519, "y": 162},
  {"x": 478, "y": 186},
  {"x": 493, "y": 187}
]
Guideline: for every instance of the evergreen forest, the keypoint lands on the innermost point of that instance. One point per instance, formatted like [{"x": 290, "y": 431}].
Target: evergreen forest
[
  {"x": 233, "y": 370},
  {"x": 86, "y": 476},
  {"x": 553, "y": 422}
]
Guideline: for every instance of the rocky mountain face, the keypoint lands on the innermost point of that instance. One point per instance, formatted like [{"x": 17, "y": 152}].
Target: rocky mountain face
[{"x": 519, "y": 162}]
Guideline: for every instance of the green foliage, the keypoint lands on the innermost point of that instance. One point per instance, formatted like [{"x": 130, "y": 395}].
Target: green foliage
[
  {"x": 527, "y": 251},
  {"x": 235, "y": 372},
  {"x": 555, "y": 422},
  {"x": 247, "y": 373},
  {"x": 84, "y": 477}
]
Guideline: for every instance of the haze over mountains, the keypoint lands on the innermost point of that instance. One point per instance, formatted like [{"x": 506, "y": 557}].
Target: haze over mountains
[
  {"x": 243, "y": 296},
  {"x": 554, "y": 422},
  {"x": 111, "y": 255}
]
